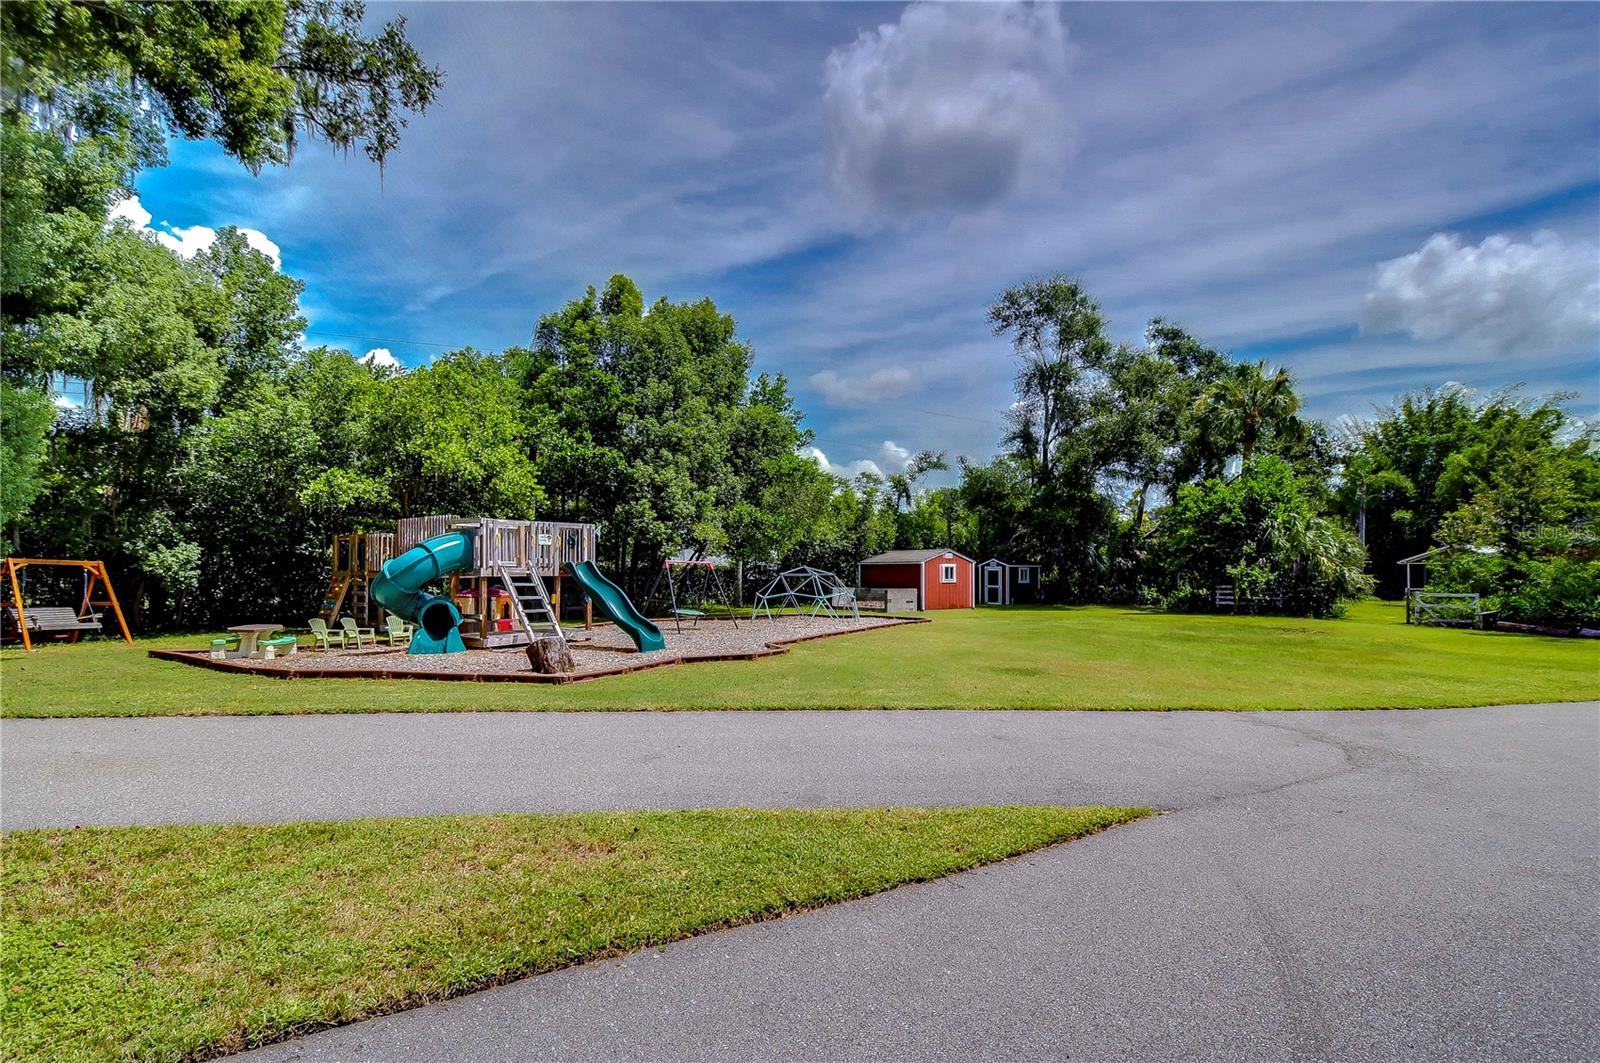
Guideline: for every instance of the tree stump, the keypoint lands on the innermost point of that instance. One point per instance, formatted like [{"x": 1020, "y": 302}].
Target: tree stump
[{"x": 549, "y": 656}]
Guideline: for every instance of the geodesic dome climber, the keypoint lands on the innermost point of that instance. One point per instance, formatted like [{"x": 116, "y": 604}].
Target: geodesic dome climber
[{"x": 809, "y": 590}]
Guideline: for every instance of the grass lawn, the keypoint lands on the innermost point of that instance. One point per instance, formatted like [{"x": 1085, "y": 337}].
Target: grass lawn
[
  {"x": 1031, "y": 658},
  {"x": 169, "y": 942}
]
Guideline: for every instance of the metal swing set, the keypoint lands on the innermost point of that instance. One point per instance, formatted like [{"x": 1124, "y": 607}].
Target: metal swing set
[{"x": 709, "y": 580}]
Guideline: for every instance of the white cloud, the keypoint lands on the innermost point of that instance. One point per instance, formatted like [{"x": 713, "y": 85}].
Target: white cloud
[
  {"x": 893, "y": 454},
  {"x": 187, "y": 242},
  {"x": 190, "y": 241},
  {"x": 1540, "y": 297},
  {"x": 849, "y": 471},
  {"x": 131, "y": 211},
  {"x": 879, "y": 384},
  {"x": 954, "y": 106},
  {"x": 381, "y": 358},
  {"x": 891, "y": 457}
]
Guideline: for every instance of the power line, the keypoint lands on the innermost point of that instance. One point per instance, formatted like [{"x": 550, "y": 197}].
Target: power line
[
  {"x": 952, "y": 416},
  {"x": 375, "y": 339},
  {"x": 455, "y": 346}
]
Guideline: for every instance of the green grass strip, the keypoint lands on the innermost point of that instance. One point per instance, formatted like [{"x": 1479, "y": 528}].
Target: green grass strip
[
  {"x": 1094, "y": 657},
  {"x": 172, "y": 943}
]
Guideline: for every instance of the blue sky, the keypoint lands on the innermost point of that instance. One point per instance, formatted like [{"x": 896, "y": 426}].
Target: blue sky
[{"x": 1379, "y": 197}]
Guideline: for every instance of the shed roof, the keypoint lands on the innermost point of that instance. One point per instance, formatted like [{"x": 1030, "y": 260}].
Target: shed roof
[
  {"x": 911, "y": 557},
  {"x": 1010, "y": 564},
  {"x": 1417, "y": 559}
]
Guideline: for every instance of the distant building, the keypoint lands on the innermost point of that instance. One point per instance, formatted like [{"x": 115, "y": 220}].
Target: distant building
[
  {"x": 940, "y": 579},
  {"x": 1003, "y": 583}
]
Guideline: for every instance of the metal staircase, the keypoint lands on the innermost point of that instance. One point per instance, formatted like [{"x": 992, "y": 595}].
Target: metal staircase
[{"x": 531, "y": 603}]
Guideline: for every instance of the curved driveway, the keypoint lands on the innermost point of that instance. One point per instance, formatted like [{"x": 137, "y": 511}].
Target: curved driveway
[
  {"x": 1367, "y": 885},
  {"x": 71, "y": 772}
]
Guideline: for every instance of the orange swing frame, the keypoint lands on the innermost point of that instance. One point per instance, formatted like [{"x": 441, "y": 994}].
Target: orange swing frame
[{"x": 97, "y": 574}]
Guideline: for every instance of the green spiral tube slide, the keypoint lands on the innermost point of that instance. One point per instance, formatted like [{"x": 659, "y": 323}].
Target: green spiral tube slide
[{"x": 399, "y": 589}]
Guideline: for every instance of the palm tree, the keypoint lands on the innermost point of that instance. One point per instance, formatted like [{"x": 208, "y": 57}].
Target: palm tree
[
  {"x": 1250, "y": 404},
  {"x": 903, "y": 485}
]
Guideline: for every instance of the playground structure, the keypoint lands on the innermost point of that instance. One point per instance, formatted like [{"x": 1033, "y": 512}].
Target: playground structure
[
  {"x": 803, "y": 588},
  {"x": 499, "y": 592},
  {"x": 709, "y": 579},
  {"x": 61, "y": 621},
  {"x": 496, "y": 594},
  {"x": 357, "y": 559},
  {"x": 504, "y": 582}
]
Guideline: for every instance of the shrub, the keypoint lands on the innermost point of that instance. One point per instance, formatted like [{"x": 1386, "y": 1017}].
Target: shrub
[
  {"x": 1259, "y": 532},
  {"x": 1559, "y": 591}
]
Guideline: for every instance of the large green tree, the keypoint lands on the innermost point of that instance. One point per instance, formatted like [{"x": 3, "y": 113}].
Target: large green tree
[
  {"x": 256, "y": 76},
  {"x": 1432, "y": 453},
  {"x": 450, "y": 440},
  {"x": 647, "y": 423},
  {"x": 257, "y": 322},
  {"x": 1062, "y": 353}
]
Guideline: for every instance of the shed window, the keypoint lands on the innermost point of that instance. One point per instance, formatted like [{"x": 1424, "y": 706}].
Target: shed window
[
  {"x": 1024, "y": 574},
  {"x": 947, "y": 573}
]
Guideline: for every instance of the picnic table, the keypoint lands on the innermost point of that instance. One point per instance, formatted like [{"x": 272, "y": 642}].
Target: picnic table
[{"x": 249, "y": 633}]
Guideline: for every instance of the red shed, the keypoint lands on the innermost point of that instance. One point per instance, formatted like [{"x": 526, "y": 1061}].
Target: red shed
[{"x": 941, "y": 578}]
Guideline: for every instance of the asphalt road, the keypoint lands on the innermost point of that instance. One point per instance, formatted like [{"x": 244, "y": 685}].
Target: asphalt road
[
  {"x": 1382, "y": 885},
  {"x": 69, "y": 772}
]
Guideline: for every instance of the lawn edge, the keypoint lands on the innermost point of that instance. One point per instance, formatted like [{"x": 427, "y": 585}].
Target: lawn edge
[
  {"x": 199, "y": 658},
  {"x": 1120, "y": 816},
  {"x": 1443, "y": 706}
]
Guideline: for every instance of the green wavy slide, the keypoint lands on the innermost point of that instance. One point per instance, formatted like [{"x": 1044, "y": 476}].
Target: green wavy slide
[{"x": 617, "y": 605}]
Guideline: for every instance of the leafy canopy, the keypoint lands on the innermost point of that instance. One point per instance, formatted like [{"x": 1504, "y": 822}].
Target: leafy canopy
[{"x": 256, "y": 76}]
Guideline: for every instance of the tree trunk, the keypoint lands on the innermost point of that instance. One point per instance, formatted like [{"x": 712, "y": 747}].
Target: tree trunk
[{"x": 549, "y": 656}]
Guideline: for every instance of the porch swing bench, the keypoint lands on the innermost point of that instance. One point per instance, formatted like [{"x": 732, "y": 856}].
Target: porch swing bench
[
  {"x": 26, "y": 621},
  {"x": 55, "y": 620}
]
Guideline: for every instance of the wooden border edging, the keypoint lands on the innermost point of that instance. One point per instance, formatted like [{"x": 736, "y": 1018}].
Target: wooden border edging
[{"x": 776, "y": 648}]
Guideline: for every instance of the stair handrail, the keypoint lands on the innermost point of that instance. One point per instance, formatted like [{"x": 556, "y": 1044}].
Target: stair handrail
[{"x": 544, "y": 596}]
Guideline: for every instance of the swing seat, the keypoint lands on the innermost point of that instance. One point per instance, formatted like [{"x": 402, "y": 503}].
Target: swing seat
[
  {"x": 709, "y": 581},
  {"x": 56, "y": 619}
]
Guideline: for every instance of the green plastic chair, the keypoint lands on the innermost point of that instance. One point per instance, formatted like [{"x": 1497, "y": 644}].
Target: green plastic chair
[
  {"x": 397, "y": 631},
  {"x": 324, "y": 636},
  {"x": 351, "y": 631}
]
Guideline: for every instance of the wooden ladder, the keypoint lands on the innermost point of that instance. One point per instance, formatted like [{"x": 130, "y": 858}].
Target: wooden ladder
[
  {"x": 334, "y": 600},
  {"x": 530, "y": 602},
  {"x": 360, "y": 605}
]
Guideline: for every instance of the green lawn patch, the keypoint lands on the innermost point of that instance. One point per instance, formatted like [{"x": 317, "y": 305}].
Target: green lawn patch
[
  {"x": 175, "y": 942},
  {"x": 1094, "y": 657}
]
